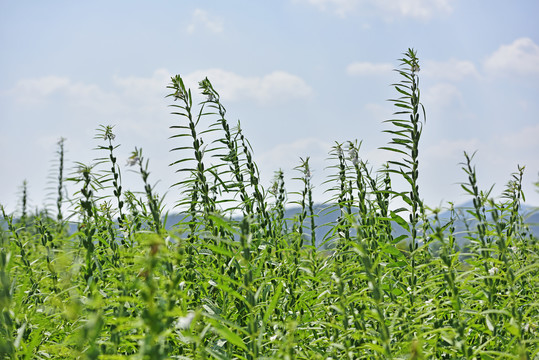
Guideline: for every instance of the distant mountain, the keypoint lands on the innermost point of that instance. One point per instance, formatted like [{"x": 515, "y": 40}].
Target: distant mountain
[
  {"x": 529, "y": 213},
  {"x": 325, "y": 221}
]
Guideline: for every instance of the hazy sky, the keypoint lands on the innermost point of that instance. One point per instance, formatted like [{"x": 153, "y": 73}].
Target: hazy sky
[{"x": 299, "y": 75}]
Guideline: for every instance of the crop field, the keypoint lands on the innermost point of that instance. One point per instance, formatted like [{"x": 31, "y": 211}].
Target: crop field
[{"x": 235, "y": 279}]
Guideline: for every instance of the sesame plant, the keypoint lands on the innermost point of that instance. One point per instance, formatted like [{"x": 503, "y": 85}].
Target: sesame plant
[{"x": 235, "y": 278}]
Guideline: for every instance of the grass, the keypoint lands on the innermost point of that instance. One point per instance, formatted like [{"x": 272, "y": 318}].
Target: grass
[{"x": 257, "y": 287}]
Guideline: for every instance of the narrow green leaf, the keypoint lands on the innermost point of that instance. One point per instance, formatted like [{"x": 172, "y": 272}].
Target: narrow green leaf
[
  {"x": 399, "y": 220},
  {"x": 274, "y": 302}
]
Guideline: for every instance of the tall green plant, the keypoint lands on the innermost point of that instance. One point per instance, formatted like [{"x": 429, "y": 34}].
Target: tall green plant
[
  {"x": 278, "y": 190},
  {"x": 341, "y": 190},
  {"x": 88, "y": 212},
  {"x": 230, "y": 151},
  {"x": 195, "y": 187},
  {"x": 154, "y": 203},
  {"x": 406, "y": 134},
  {"x": 7, "y": 324},
  {"x": 61, "y": 187},
  {"x": 479, "y": 199},
  {"x": 24, "y": 204},
  {"x": 306, "y": 202},
  {"x": 113, "y": 175}
]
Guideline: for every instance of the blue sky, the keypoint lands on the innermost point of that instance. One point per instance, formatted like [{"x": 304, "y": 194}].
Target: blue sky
[{"x": 299, "y": 75}]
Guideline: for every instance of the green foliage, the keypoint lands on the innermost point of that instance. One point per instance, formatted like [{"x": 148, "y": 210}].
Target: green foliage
[{"x": 261, "y": 286}]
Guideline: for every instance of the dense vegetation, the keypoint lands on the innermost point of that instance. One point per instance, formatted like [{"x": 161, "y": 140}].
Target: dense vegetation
[{"x": 236, "y": 280}]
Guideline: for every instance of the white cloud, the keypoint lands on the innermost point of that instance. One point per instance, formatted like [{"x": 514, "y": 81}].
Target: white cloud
[
  {"x": 137, "y": 104},
  {"x": 422, "y": 9},
  {"x": 140, "y": 85},
  {"x": 201, "y": 18},
  {"x": 367, "y": 68},
  {"x": 441, "y": 95},
  {"x": 286, "y": 156},
  {"x": 524, "y": 140},
  {"x": 340, "y": 7},
  {"x": 496, "y": 157},
  {"x": 453, "y": 150},
  {"x": 144, "y": 93},
  {"x": 378, "y": 110},
  {"x": 450, "y": 70},
  {"x": 129, "y": 103},
  {"x": 519, "y": 58},
  {"x": 278, "y": 86},
  {"x": 34, "y": 89}
]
